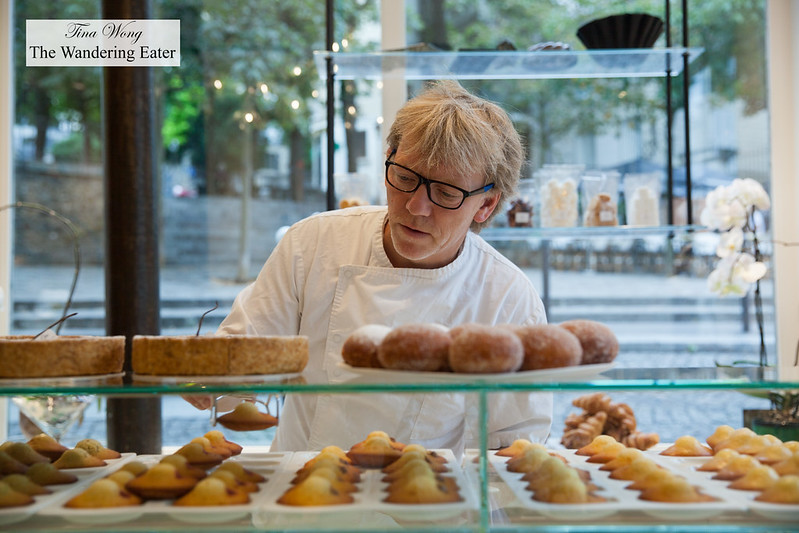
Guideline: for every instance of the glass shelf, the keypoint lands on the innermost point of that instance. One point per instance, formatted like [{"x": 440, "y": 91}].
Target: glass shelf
[
  {"x": 497, "y": 65},
  {"x": 709, "y": 378},
  {"x": 522, "y": 234}
]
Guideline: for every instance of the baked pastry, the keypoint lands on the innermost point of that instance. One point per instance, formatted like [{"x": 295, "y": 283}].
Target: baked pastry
[
  {"x": 218, "y": 438},
  {"x": 121, "y": 477},
  {"x": 758, "y": 478},
  {"x": 360, "y": 348},
  {"x": 48, "y": 474},
  {"x": 528, "y": 461},
  {"x": 24, "y": 484},
  {"x": 755, "y": 444},
  {"x": 314, "y": 490},
  {"x": 606, "y": 454},
  {"x": 343, "y": 469},
  {"x": 547, "y": 473},
  {"x": 340, "y": 480},
  {"x": 652, "y": 479},
  {"x": 103, "y": 493},
  {"x": 598, "y": 444},
  {"x": 424, "y": 489},
  {"x": 212, "y": 491},
  {"x": 567, "y": 488},
  {"x": 162, "y": 481},
  {"x": 719, "y": 434},
  {"x": 784, "y": 490},
  {"x": 9, "y": 465},
  {"x": 719, "y": 460},
  {"x": 232, "y": 482},
  {"x": 224, "y": 451},
  {"x": 244, "y": 474},
  {"x": 137, "y": 468},
  {"x": 182, "y": 465},
  {"x": 687, "y": 446},
  {"x": 78, "y": 458},
  {"x": 246, "y": 417},
  {"x": 416, "y": 455},
  {"x": 736, "y": 439},
  {"x": 415, "y": 347},
  {"x": 583, "y": 429},
  {"x": 197, "y": 456},
  {"x": 482, "y": 349},
  {"x": 636, "y": 470},
  {"x": 675, "y": 490},
  {"x": 377, "y": 450},
  {"x": 23, "y": 453},
  {"x": 224, "y": 355},
  {"x": 65, "y": 355},
  {"x": 623, "y": 458},
  {"x": 47, "y": 446},
  {"x": 789, "y": 466},
  {"x": 548, "y": 346},
  {"x": 95, "y": 448},
  {"x": 736, "y": 468},
  {"x": 598, "y": 341},
  {"x": 640, "y": 440},
  {"x": 12, "y": 498},
  {"x": 517, "y": 447},
  {"x": 773, "y": 454}
]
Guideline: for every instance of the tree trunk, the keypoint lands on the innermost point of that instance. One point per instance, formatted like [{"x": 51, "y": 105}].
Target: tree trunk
[
  {"x": 297, "y": 157},
  {"x": 42, "y": 99}
]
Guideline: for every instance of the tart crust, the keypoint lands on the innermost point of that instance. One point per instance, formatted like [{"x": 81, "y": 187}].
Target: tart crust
[
  {"x": 67, "y": 355},
  {"x": 209, "y": 355}
]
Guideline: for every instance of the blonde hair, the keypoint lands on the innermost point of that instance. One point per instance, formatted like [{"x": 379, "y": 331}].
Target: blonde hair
[{"x": 447, "y": 125}]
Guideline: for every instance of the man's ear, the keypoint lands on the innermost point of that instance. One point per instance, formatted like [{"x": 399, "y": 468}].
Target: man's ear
[{"x": 487, "y": 207}]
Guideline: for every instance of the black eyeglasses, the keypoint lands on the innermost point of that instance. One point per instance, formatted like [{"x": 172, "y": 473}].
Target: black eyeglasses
[{"x": 440, "y": 193}]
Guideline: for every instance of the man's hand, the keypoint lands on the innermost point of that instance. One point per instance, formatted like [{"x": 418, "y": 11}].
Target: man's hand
[{"x": 200, "y": 401}]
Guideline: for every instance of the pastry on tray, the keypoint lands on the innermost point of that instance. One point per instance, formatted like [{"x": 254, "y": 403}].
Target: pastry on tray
[
  {"x": 49, "y": 474},
  {"x": 240, "y": 472},
  {"x": 212, "y": 491},
  {"x": 23, "y": 453},
  {"x": 315, "y": 490},
  {"x": 199, "y": 457},
  {"x": 218, "y": 355},
  {"x": 9, "y": 465},
  {"x": 675, "y": 490},
  {"x": 184, "y": 468},
  {"x": 23, "y": 357},
  {"x": 232, "y": 482},
  {"x": 376, "y": 451},
  {"x": 24, "y": 484},
  {"x": 784, "y": 490},
  {"x": 687, "y": 446},
  {"x": 162, "y": 481},
  {"x": 95, "y": 448},
  {"x": 246, "y": 417},
  {"x": 218, "y": 438},
  {"x": 47, "y": 446},
  {"x": 103, "y": 493},
  {"x": 13, "y": 498},
  {"x": 78, "y": 458}
]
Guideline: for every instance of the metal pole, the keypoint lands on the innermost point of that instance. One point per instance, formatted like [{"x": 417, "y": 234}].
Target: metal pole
[
  {"x": 331, "y": 105},
  {"x": 686, "y": 86},
  {"x": 131, "y": 231}
]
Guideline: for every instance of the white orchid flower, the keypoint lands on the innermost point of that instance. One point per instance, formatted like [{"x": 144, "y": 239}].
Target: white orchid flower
[
  {"x": 722, "y": 282},
  {"x": 730, "y": 242},
  {"x": 751, "y": 193},
  {"x": 748, "y": 269}
]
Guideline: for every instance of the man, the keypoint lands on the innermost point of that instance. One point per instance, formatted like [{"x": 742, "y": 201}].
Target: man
[{"x": 452, "y": 161}]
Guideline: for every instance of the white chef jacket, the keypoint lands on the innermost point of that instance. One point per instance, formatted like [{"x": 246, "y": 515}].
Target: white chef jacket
[{"x": 329, "y": 275}]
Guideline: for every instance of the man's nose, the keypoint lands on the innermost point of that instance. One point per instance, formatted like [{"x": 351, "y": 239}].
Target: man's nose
[{"x": 419, "y": 203}]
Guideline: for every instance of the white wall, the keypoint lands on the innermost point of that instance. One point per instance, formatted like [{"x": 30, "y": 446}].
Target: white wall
[
  {"x": 6, "y": 100},
  {"x": 783, "y": 83}
]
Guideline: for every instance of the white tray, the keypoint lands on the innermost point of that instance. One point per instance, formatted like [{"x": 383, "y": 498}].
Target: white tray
[
  {"x": 85, "y": 476},
  {"x": 619, "y": 499},
  {"x": 773, "y": 511},
  {"x": 266, "y": 464},
  {"x": 368, "y": 500},
  {"x": 550, "y": 375}
]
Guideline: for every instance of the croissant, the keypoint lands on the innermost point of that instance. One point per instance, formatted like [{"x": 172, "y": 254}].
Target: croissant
[{"x": 584, "y": 433}]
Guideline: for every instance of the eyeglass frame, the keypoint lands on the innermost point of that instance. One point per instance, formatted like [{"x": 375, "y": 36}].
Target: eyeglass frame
[{"x": 427, "y": 182}]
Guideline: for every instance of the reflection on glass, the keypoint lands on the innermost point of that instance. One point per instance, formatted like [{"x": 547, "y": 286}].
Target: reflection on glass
[{"x": 54, "y": 415}]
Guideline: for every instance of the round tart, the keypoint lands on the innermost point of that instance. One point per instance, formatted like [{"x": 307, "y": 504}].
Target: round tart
[
  {"x": 23, "y": 357},
  {"x": 211, "y": 355}
]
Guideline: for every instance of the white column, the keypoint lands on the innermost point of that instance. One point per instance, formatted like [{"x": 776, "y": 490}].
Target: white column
[
  {"x": 6, "y": 99},
  {"x": 392, "y": 24},
  {"x": 782, "y": 34}
]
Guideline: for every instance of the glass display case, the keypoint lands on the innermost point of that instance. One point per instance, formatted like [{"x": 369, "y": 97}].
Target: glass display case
[{"x": 492, "y": 498}]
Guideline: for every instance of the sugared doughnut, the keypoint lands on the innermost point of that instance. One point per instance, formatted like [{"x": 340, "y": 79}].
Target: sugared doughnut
[
  {"x": 599, "y": 343},
  {"x": 548, "y": 346},
  {"x": 360, "y": 348},
  {"x": 481, "y": 349},
  {"x": 416, "y": 347}
]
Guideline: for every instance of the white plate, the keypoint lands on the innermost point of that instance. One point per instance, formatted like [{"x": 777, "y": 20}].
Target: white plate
[
  {"x": 61, "y": 381},
  {"x": 550, "y": 375},
  {"x": 81, "y": 472},
  {"x": 253, "y": 378}
]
